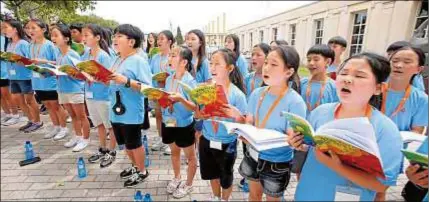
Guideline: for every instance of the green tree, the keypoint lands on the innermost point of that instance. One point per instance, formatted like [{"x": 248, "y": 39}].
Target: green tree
[
  {"x": 46, "y": 10},
  {"x": 179, "y": 37},
  {"x": 85, "y": 19}
]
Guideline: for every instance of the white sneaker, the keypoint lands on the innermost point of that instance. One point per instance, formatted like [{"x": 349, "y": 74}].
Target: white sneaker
[
  {"x": 54, "y": 130},
  {"x": 157, "y": 145},
  {"x": 173, "y": 185},
  {"x": 215, "y": 198},
  {"x": 183, "y": 190},
  {"x": 167, "y": 150},
  {"x": 11, "y": 121},
  {"x": 5, "y": 118},
  {"x": 61, "y": 134},
  {"x": 23, "y": 119},
  {"x": 82, "y": 144},
  {"x": 72, "y": 142}
]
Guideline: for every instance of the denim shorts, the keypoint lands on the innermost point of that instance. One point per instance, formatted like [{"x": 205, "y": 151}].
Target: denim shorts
[
  {"x": 274, "y": 177},
  {"x": 20, "y": 86}
]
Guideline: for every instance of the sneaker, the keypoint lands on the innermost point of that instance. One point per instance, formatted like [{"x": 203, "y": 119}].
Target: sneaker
[
  {"x": 69, "y": 120},
  {"x": 72, "y": 142},
  {"x": 108, "y": 159},
  {"x": 62, "y": 134},
  {"x": 173, "y": 185},
  {"x": 81, "y": 145},
  {"x": 25, "y": 126},
  {"x": 43, "y": 110},
  {"x": 167, "y": 150},
  {"x": 128, "y": 172},
  {"x": 157, "y": 146},
  {"x": 136, "y": 179},
  {"x": 5, "y": 117},
  {"x": 215, "y": 198},
  {"x": 52, "y": 133},
  {"x": 23, "y": 119},
  {"x": 182, "y": 190},
  {"x": 34, "y": 127},
  {"x": 241, "y": 183},
  {"x": 11, "y": 121},
  {"x": 97, "y": 156}
]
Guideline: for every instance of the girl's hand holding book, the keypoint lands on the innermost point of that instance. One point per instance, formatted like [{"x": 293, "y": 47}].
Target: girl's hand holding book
[
  {"x": 296, "y": 140},
  {"x": 330, "y": 159},
  {"x": 118, "y": 78},
  {"x": 231, "y": 111},
  {"x": 176, "y": 97},
  {"x": 416, "y": 177},
  {"x": 200, "y": 114},
  {"x": 38, "y": 61}
]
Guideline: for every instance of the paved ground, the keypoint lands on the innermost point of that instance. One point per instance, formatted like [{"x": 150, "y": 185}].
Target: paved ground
[{"x": 55, "y": 177}]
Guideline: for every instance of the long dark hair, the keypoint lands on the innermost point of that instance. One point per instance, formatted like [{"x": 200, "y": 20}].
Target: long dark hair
[
  {"x": 380, "y": 67},
  {"x": 107, "y": 35},
  {"x": 202, "y": 49},
  {"x": 236, "y": 41},
  {"x": 291, "y": 59},
  {"x": 418, "y": 51},
  {"x": 42, "y": 25},
  {"x": 19, "y": 28},
  {"x": 148, "y": 46},
  {"x": 98, "y": 31},
  {"x": 186, "y": 54},
  {"x": 264, "y": 47},
  {"x": 65, "y": 31},
  {"x": 169, "y": 36},
  {"x": 231, "y": 59}
]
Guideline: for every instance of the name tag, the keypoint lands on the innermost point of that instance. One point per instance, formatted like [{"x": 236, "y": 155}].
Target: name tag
[
  {"x": 36, "y": 75},
  {"x": 89, "y": 95},
  {"x": 253, "y": 153},
  {"x": 347, "y": 193},
  {"x": 12, "y": 72},
  {"x": 171, "y": 123},
  {"x": 216, "y": 145}
]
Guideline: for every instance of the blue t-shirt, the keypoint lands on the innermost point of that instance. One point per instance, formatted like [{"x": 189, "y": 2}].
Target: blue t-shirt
[
  {"x": 135, "y": 68},
  {"x": 291, "y": 102},
  {"x": 331, "y": 68},
  {"x": 159, "y": 64},
  {"x": 257, "y": 82},
  {"x": 4, "y": 74},
  {"x": 321, "y": 181},
  {"x": 143, "y": 54},
  {"x": 235, "y": 98},
  {"x": 183, "y": 116},
  {"x": 97, "y": 90},
  {"x": 67, "y": 84},
  {"x": 112, "y": 52},
  {"x": 203, "y": 75},
  {"x": 329, "y": 94},
  {"x": 419, "y": 83},
  {"x": 16, "y": 71},
  {"x": 46, "y": 51},
  {"x": 242, "y": 66}
]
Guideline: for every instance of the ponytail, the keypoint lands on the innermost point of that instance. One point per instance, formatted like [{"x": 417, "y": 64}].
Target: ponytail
[
  {"x": 294, "y": 80},
  {"x": 291, "y": 59},
  {"x": 99, "y": 31},
  {"x": 103, "y": 45}
]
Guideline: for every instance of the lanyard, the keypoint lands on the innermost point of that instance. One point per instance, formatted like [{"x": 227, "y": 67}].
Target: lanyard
[
  {"x": 270, "y": 110},
  {"x": 308, "y": 92},
  {"x": 368, "y": 111},
  {"x": 61, "y": 57},
  {"x": 385, "y": 88},
  {"x": 115, "y": 66},
  {"x": 93, "y": 57},
  {"x": 215, "y": 125},
  {"x": 162, "y": 65},
  {"x": 33, "y": 55}
]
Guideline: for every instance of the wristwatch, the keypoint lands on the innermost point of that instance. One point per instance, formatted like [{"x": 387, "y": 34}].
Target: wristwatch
[{"x": 128, "y": 84}]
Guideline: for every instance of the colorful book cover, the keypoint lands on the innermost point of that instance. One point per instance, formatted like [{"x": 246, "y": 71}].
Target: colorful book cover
[
  {"x": 301, "y": 125},
  {"x": 161, "y": 77},
  {"x": 158, "y": 94},
  {"x": 351, "y": 155},
  {"x": 95, "y": 70},
  {"x": 79, "y": 48},
  {"x": 416, "y": 158},
  {"x": 73, "y": 71},
  {"x": 41, "y": 70},
  {"x": 153, "y": 51},
  {"x": 15, "y": 58}
]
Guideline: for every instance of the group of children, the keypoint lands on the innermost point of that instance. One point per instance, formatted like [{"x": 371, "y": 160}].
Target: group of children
[{"x": 386, "y": 89}]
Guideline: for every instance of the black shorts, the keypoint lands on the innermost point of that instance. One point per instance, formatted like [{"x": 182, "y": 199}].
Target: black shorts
[
  {"x": 128, "y": 134},
  {"x": 4, "y": 83},
  {"x": 217, "y": 164},
  {"x": 47, "y": 95},
  {"x": 182, "y": 136},
  {"x": 146, "y": 124}
]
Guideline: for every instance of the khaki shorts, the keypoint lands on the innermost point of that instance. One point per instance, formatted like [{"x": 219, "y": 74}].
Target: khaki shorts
[
  {"x": 71, "y": 98},
  {"x": 99, "y": 112}
]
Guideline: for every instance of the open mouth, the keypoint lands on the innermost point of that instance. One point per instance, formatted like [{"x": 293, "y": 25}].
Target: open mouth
[
  {"x": 345, "y": 90},
  {"x": 266, "y": 77},
  {"x": 397, "y": 72}
]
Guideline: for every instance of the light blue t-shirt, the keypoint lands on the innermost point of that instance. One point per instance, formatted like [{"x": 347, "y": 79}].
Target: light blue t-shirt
[
  {"x": 46, "y": 51},
  {"x": 203, "y": 75},
  {"x": 257, "y": 82},
  {"x": 67, "y": 84},
  {"x": 321, "y": 181},
  {"x": 235, "y": 98},
  {"x": 97, "y": 90},
  {"x": 183, "y": 116},
  {"x": 417, "y": 82},
  {"x": 159, "y": 64},
  {"x": 242, "y": 66},
  {"x": 329, "y": 94},
  {"x": 414, "y": 112},
  {"x": 4, "y": 74},
  {"x": 135, "y": 68},
  {"x": 143, "y": 54},
  {"x": 291, "y": 102},
  {"x": 16, "y": 71},
  {"x": 331, "y": 68}
]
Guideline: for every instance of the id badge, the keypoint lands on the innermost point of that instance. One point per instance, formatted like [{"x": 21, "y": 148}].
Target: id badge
[
  {"x": 36, "y": 75},
  {"x": 171, "y": 123},
  {"x": 347, "y": 193},
  {"x": 12, "y": 72},
  {"x": 216, "y": 145},
  {"x": 89, "y": 95},
  {"x": 253, "y": 153}
]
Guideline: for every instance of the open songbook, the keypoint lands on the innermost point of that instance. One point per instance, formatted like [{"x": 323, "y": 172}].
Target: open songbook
[
  {"x": 352, "y": 139},
  {"x": 14, "y": 58},
  {"x": 157, "y": 94},
  {"x": 416, "y": 158}
]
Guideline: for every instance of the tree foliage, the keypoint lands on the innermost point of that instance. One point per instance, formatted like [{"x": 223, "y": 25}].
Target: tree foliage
[
  {"x": 85, "y": 19},
  {"x": 179, "y": 37}
]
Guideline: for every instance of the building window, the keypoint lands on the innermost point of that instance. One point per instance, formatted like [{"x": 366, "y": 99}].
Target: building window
[
  {"x": 318, "y": 26},
  {"x": 261, "y": 36},
  {"x": 292, "y": 34},
  {"x": 421, "y": 28},
  {"x": 251, "y": 39},
  {"x": 359, "y": 25},
  {"x": 275, "y": 33}
]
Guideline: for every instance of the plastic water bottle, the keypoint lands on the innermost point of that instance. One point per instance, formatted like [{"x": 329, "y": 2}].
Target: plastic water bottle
[
  {"x": 245, "y": 186},
  {"x": 147, "y": 198},
  {"x": 29, "y": 152},
  {"x": 145, "y": 143},
  {"x": 138, "y": 197},
  {"x": 146, "y": 161},
  {"x": 81, "y": 168}
]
